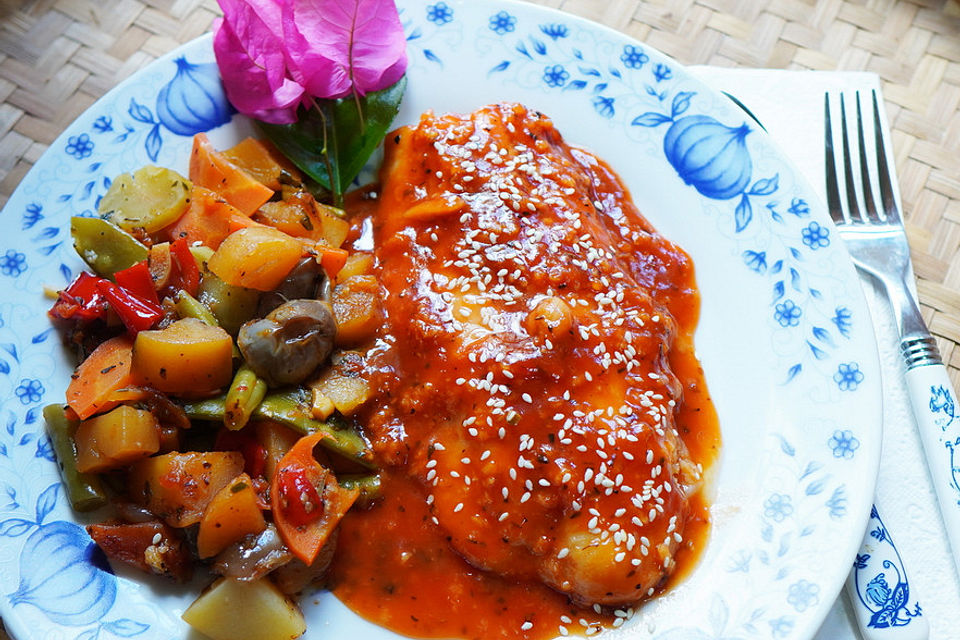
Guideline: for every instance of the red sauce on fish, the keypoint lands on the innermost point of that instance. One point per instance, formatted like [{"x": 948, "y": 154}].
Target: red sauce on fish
[{"x": 540, "y": 414}]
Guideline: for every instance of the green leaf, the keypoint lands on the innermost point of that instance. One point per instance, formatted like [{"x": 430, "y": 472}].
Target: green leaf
[{"x": 337, "y": 137}]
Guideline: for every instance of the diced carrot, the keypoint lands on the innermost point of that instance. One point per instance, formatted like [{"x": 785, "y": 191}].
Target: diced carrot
[
  {"x": 96, "y": 380},
  {"x": 207, "y": 219},
  {"x": 211, "y": 169},
  {"x": 306, "y": 500},
  {"x": 332, "y": 260},
  {"x": 263, "y": 161},
  {"x": 233, "y": 513},
  {"x": 239, "y": 221},
  {"x": 292, "y": 216}
]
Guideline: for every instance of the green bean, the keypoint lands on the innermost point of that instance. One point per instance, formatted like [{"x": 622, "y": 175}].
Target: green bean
[
  {"x": 189, "y": 307},
  {"x": 292, "y": 409},
  {"x": 368, "y": 484},
  {"x": 245, "y": 394},
  {"x": 83, "y": 489},
  {"x": 106, "y": 248}
]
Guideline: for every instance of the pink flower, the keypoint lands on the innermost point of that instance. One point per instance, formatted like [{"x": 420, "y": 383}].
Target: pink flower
[
  {"x": 248, "y": 44},
  {"x": 277, "y": 54},
  {"x": 335, "y": 47}
]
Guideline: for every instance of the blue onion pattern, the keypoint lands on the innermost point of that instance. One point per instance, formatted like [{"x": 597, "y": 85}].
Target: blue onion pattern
[
  {"x": 710, "y": 156},
  {"x": 193, "y": 101},
  {"x": 58, "y": 578}
]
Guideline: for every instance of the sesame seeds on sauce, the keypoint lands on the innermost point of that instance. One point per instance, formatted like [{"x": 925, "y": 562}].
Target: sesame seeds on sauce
[{"x": 543, "y": 419}]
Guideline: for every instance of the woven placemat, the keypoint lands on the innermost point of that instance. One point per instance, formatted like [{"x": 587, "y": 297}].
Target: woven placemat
[{"x": 58, "y": 56}]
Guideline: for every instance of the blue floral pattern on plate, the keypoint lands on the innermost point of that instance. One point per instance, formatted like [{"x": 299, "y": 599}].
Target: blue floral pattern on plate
[{"x": 772, "y": 571}]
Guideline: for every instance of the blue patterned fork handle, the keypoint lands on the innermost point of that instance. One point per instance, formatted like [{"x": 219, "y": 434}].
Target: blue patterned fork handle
[{"x": 879, "y": 589}]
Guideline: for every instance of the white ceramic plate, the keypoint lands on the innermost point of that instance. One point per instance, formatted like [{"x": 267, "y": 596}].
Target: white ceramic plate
[{"x": 785, "y": 337}]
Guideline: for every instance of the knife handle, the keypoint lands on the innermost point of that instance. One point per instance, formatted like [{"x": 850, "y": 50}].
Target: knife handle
[
  {"x": 880, "y": 591},
  {"x": 938, "y": 421}
]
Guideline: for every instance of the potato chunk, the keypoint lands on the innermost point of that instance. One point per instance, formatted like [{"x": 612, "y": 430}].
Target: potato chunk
[
  {"x": 232, "y": 514},
  {"x": 357, "y": 309},
  {"x": 188, "y": 357},
  {"x": 116, "y": 439},
  {"x": 256, "y": 258},
  {"x": 149, "y": 199},
  {"x": 234, "y": 610},
  {"x": 179, "y": 486}
]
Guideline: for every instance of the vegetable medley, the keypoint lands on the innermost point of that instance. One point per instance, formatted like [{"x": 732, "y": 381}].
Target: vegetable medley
[{"x": 214, "y": 333}]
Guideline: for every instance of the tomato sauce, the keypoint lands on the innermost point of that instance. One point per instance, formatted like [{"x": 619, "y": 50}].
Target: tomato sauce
[{"x": 540, "y": 415}]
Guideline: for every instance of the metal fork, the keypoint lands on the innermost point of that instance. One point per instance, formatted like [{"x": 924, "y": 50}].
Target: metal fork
[{"x": 875, "y": 238}]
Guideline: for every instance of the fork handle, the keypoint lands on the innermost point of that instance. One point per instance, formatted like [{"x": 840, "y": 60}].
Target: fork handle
[
  {"x": 879, "y": 589},
  {"x": 938, "y": 421}
]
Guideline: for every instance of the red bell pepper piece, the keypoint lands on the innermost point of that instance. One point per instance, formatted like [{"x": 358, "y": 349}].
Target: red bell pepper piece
[
  {"x": 82, "y": 300},
  {"x": 186, "y": 266},
  {"x": 254, "y": 453},
  {"x": 137, "y": 280},
  {"x": 299, "y": 498},
  {"x": 137, "y": 314}
]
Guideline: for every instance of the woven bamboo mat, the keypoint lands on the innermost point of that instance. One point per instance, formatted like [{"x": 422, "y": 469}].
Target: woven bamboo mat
[{"x": 58, "y": 56}]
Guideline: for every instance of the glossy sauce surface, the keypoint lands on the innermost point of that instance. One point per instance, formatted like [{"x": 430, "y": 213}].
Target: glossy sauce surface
[{"x": 540, "y": 412}]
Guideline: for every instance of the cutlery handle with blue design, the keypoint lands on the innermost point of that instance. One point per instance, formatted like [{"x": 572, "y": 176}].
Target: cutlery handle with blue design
[
  {"x": 938, "y": 421},
  {"x": 879, "y": 589}
]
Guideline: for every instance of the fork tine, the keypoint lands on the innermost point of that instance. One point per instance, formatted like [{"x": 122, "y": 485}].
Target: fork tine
[
  {"x": 852, "y": 207},
  {"x": 870, "y": 211},
  {"x": 886, "y": 188},
  {"x": 833, "y": 191}
]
